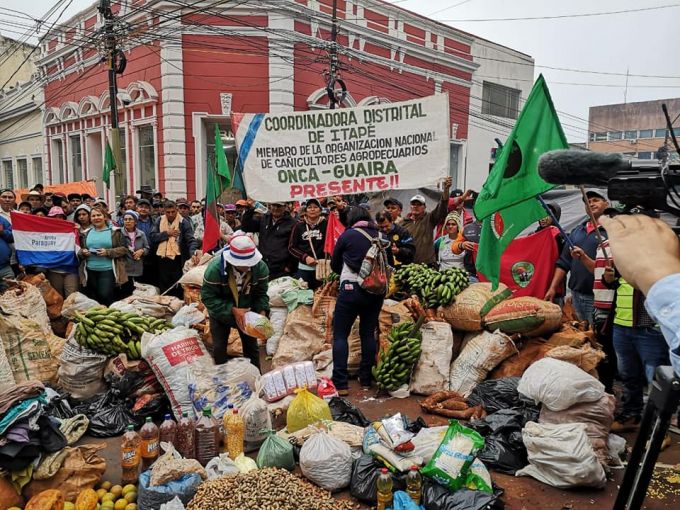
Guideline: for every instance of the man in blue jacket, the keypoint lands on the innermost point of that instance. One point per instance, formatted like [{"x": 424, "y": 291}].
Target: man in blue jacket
[{"x": 6, "y": 238}]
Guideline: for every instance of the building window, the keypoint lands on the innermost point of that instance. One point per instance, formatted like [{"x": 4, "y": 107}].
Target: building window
[
  {"x": 630, "y": 135},
  {"x": 147, "y": 157},
  {"x": 600, "y": 137},
  {"x": 8, "y": 174},
  {"x": 229, "y": 145},
  {"x": 22, "y": 172},
  {"x": 646, "y": 133},
  {"x": 615, "y": 135},
  {"x": 646, "y": 155},
  {"x": 58, "y": 160},
  {"x": 37, "y": 171},
  {"x": 76, "y": 158},
  {"x": 499, "y": 100},
  {"x": 660, "y": 133}
]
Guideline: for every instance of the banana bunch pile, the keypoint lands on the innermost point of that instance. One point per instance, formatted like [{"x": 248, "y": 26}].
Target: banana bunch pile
[
  {"x": 113, "y": 332},
  {"x": 433, "y": 288},
  {"x": 396, "y": 363}
]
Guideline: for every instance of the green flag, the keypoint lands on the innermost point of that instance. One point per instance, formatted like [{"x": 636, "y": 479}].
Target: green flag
[
  {"x": 514, "y": 176},
  {"x": 507, "y": 204},
  {"x": 221, "y": 159},
  {"x": 109, "y": 165}
]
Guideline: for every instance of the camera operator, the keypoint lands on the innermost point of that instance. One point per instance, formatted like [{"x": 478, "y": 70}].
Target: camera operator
[{"x": 647, "y": 254}]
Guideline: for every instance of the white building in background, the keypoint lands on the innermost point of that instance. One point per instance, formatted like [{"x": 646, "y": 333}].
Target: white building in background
[
  {"x": 500, "y": 86},
  {"x": 21, "y": 132}
]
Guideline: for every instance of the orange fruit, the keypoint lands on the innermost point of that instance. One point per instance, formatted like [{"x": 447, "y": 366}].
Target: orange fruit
[
  {"x": 116, "y": 490},
  {"x": 131, "y": 497},
  {"x": 106, "y": 485},
  {"x": 101, "y": 493}
]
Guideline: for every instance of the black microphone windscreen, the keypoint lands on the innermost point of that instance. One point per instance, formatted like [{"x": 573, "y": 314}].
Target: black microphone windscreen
[{"x": 580, "y": 167}]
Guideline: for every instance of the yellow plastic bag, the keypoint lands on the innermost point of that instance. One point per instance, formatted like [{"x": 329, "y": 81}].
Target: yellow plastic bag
[{"x": 306, "y": 409}]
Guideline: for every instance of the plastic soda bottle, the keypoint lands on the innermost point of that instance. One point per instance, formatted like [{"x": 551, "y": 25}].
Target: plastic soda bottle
[
  {"x": 235, "y": 430},
  {"x": 150, "y": 447},
  {"x": 206, "y": 437},
  {"x": 131, "y": 456},
  {"x": 414, "y": 484},
  {"x": 384, "y": 490},
  {"x": 184, "y": 438},
  {"x": 168, "y": 430}
]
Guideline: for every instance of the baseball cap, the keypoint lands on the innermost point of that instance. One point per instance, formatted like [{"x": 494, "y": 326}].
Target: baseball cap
[
  {"x": 313, "y": 201},
  {"x": 457, "y": 193},
  {"x": 593, "y": 193},
  {"x": 418, "y": 198},
  {"x": 143, "y": 201},
  {"x": 393, "y": 201},
  {"x": 229, "y": 208},
  {"x": 242, "y": 202},
  {"x": 55, "y": 211}
]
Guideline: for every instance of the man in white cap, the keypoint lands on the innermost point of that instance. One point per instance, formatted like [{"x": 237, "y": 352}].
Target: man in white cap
[
  {"x": 235, "y": 281},
  {"x": 421, "y": 224}
]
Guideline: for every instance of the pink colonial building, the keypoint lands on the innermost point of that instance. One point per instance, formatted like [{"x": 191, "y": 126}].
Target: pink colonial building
[{"x": 189, "y": 65}]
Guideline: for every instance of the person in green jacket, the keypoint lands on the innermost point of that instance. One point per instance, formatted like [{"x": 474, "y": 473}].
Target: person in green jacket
[{"x": 235, "y": 281}]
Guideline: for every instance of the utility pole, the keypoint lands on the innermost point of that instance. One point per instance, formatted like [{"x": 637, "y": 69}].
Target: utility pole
[
  {"x": 333, "y": 75},
  {"x": 114, "y": 133}
]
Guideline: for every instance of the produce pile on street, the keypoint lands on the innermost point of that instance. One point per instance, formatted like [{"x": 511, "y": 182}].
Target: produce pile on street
[{"x": 508, "y": 372}]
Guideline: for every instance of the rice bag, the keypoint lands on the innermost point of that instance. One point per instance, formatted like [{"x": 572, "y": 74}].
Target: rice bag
[{"x": 451, "y": 462}]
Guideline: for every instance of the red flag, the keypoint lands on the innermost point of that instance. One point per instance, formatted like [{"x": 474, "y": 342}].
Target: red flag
[
  {"x": 527, "y": 264},
  {"x": 333, "y": 231}
]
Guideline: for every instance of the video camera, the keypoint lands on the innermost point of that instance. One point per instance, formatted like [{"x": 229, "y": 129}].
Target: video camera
[{"x": 638, "y": 184}]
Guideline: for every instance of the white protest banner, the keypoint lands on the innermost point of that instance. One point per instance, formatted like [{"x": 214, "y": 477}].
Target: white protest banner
[{"x": 300, "y": 155}]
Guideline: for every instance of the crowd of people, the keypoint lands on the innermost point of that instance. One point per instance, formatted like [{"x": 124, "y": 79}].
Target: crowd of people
[{"x": 148, "y": 239}]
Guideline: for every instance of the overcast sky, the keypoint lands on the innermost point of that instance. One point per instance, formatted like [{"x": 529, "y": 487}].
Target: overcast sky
[{"x": 641, "y": 43}]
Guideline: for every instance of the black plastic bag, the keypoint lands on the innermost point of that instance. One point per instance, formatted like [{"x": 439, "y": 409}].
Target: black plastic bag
[
  {"x": 496, "y": 394},
  {"x": 343, "y": 410},
  {"x": 503, "y": 449},
  {"x": 417, "y": 425},
  {"x": 436, "y": 497},
  {"x": 363, "y": 484}
]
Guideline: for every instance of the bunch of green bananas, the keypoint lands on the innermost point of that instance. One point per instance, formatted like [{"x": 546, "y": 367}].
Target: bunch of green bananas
[
  {"x": 433, "y": 288},
  {"x": 332, "y": 277},
  {"x": 395, "y": 364},
  {"x": 113, "y": 332}
]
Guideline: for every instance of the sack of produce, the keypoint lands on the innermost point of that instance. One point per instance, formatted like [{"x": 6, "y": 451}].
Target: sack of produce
[
  {"x": 277, "y": 316},
  {"x": 326, "y": 461},
  {"x": 597, "y": 416},
  {"x": 432, "y": 370},
  {"x": 31, "y": 352},
  {"x": 257, "y": 326},
  {"x": 395, "y": 365},
  {"x": 152, "y": 497},
  {"x": 531, "y": 350},
  {"x": 171, "y": 355},
  {"x": 280, "y": 285},
  {"x": 482, "y": 352},
  {"x": 81, "y": 370},
  {"x": 306, "y": 409},
  {"x": 450, "y": 463},
  {"x": 303, "y": 337},
  {"x": 53, "y": 300},
  {"x": 586, "y": 357},
  {"x": 217, "y": 386},
  {"x": 470, "y": 306},
  {"x": 146, "y": 290},
  {"x": 77, "y": 302},
  {"x": 188, "y": 315},
  {"x": 527, "y": 315},
  {"x": 24, "y": 301},
  {"x": 572, "y": 336},
  {"x": 559, "y": 385},
  {"x": 561, "y": 455},
  {"x": 256, "y": 419},
  {"x": 391, "y": 314},
  {"x": 6, "y": 376},
  {"x": 275, "y": 452}
]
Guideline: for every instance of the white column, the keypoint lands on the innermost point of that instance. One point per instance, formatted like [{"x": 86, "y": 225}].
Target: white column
[
  {"x": 281, "y": 71},
  {"x": 172, "y": 104}
]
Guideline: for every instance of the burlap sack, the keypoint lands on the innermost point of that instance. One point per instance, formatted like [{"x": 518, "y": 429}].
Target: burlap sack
[
  {"x": 303, "y": 337},
  {"x": 526, "y": 315},
  {"x": 192, "y": 294},
  {"x": 53, "y": 300},
  {"x": 82, "y": 469},
  {"x": 514, "y": 366},
  {"x": 572, "y": 336},
  {"x": 25, "y": 302},
  {"x": 470, "y": 306},
  {"x": 6, "y": 375},
  {"x": 432, "y": 370},
  {"x": 585, "y": 357},
  {"x": 32, "y": 353},
  {"x": 391, "y": 314}
]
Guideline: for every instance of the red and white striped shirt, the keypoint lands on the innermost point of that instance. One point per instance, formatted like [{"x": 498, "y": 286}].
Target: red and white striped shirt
[{"x": 604, "y": 297}]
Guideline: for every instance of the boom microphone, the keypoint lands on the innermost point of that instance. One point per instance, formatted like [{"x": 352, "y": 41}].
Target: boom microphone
[{"x": 581, "y": 167}]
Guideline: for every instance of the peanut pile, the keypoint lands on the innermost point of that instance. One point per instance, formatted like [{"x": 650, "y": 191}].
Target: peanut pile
[{"x": 270, "y": 488}]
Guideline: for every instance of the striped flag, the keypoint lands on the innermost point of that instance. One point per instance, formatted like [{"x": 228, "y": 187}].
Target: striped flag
[{"x": 45, "y": 242}]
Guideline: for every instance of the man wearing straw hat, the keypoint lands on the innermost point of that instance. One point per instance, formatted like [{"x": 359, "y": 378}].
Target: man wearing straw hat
[{"x": 235, "y": 282}]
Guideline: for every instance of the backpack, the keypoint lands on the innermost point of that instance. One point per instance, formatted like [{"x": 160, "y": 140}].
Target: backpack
[{"x": 375, "y": 272}]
